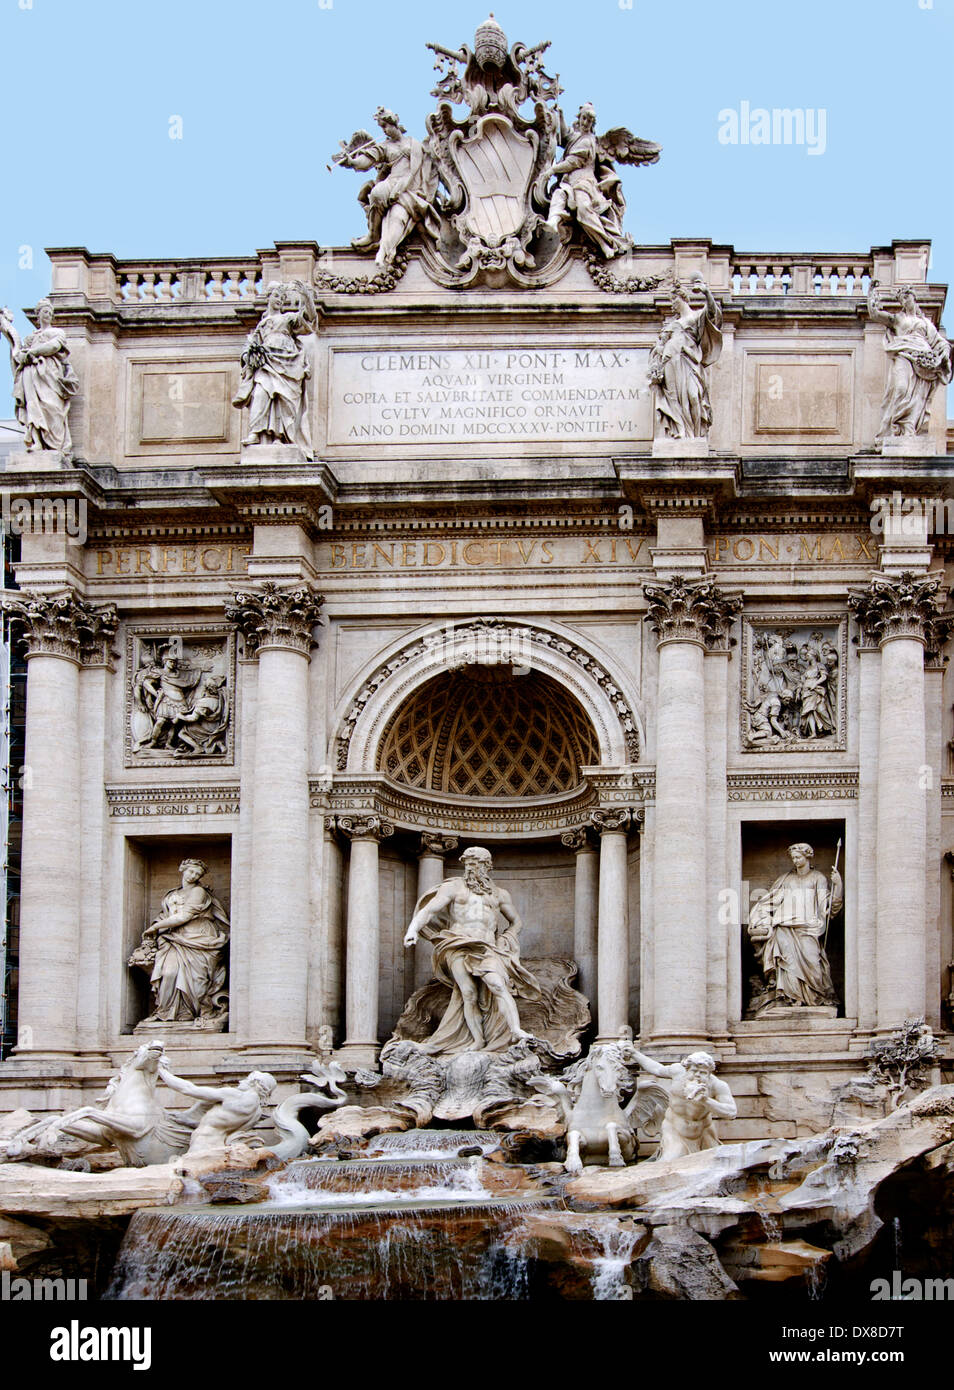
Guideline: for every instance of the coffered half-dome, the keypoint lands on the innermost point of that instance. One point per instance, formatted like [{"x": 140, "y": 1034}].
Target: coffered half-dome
[{"x": 485, "y": 732}]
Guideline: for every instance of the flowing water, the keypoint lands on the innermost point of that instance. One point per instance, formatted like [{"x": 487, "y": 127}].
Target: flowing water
[
  {"x": 618, "y": 1240},
  {"x": 396, "y": 1226}
]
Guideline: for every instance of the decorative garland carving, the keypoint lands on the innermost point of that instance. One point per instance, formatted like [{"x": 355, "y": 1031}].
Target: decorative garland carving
[
  {"x": 380, "y": 283},
  {"x": 603, "y": 277}
]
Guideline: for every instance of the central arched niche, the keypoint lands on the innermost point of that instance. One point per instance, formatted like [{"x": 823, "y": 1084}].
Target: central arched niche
[{"x": 486, "y": 732}]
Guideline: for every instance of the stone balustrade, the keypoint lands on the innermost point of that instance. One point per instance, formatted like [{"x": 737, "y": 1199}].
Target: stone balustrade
[
  {"x": 162, "y": 282},
  {"x": 802, "y": 274}
]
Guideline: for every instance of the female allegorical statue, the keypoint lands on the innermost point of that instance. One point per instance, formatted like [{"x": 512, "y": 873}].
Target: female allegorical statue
[
  {"x": 689, "y": 342},
  {"x": 276, "y": 368},
  {"x": 920, "y": 359},
  {"x": 185, "y": 950},
  {"x": 786, "y": 927},
  {"x": 43, "y": 380}
]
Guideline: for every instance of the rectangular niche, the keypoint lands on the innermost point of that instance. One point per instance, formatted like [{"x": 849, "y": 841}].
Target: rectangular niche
[
  {"x": 151, "y": 870},
  {"x": 765, "y": 859},
  {"x": 794, "y": 683},
  {"x": 180, "y": 695}
]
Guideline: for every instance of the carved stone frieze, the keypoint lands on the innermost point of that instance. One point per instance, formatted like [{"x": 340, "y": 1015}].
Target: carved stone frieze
[
  {"x": 832, "y": 785},
  {"x": 908, "y": 605},
  {"x": 62, "y": 624},
  {"x": 794, "y": 686},
  {"x": 271, "y": 616},
  {"x": 180, "y": 695},
  {"x": 691, "y": 610},
  {"x": 135, "y": 802}
]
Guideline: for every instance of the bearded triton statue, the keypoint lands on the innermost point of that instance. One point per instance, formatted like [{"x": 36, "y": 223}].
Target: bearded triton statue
[{"x": 474, "y": 927}]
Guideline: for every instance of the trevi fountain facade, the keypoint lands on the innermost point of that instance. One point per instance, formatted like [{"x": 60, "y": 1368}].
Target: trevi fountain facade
[{"x": 489, "y": 740}]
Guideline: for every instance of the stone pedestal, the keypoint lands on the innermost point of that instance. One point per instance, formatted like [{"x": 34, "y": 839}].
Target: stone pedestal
[
  {"x": 37, "y": 461},
  {"x": 681, "y": 448},
  {"x": 270, "y": 454},
  {"x": 910, "y": 446}
]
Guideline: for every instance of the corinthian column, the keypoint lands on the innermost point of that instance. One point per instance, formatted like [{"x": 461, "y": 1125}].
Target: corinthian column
[
  {"x": 60, "y": 632},
  {"x": 430, "y": 874},
  {"x": 901, "y": 614},
  {"x": 278, "y": 628},
  {"x": 687, "y": 616},
  {"x": 363, "y": 949}
]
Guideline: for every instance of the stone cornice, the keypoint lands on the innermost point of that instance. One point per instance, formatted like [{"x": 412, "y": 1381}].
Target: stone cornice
[
  {"x": 271, "y": 616},
  {"x": 834, "y": 784},
  {"x": 682, "y": 610},
  {"x": 360, "y": 796},
  {"x": 178, "y": 799},
  {"x": 908, "y": 605},
  {"x": 63, "y": 624}
]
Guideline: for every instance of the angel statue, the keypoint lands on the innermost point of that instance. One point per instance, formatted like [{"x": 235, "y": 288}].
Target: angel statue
[
  {"x": 43, "y": 380},
  {"x": 689, "y": 341},
  {"x": 404, "y": 192},
  {"x": 919, "y": 359},
  {"x": 588, "y": 187}
]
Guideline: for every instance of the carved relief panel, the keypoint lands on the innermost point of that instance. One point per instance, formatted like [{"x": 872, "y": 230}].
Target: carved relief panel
[
  {"x": 794, "y": 695},
  {"x": 180, "y": 695}
]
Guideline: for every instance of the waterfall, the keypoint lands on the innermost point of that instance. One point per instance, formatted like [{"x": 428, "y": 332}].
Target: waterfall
[
  {"x": 617, "y": 1241},
  {"x": 377, "y": 1182},
  {"x": 418, "y": 1252}
]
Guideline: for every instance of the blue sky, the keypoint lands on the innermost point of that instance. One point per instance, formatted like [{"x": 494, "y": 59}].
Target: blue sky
[{"x": 266, "y": 90}]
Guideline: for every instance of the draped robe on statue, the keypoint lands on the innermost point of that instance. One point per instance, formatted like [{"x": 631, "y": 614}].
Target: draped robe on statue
[
  {"x": 188, "y": 977},
  {"x": 786, "y": 926},
  {"x": 483, "y": 949}
]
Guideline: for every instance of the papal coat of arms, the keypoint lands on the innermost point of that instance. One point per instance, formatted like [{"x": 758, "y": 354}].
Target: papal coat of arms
[{"x": 503, "y": 192}]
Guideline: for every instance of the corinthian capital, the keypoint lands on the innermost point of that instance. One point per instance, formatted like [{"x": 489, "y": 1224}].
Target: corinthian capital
[
  {"x": 273, "y": 617},
  {"x": 365, "y": 827},
  {"x": 690, "y": 610},
  {"x": 906, "y": 606},
  {"x": 62, "y": 624}
]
